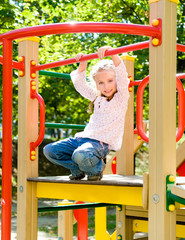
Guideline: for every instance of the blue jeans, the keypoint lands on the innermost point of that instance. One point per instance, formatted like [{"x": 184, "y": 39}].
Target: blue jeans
[{"x": 80, "y": 155}]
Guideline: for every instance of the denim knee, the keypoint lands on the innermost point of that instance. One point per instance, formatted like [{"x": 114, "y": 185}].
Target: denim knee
[
  {"x": 78, "y": 156},
  {"x": 47, "y": 150},
  {"x": 85, "y": 159}
]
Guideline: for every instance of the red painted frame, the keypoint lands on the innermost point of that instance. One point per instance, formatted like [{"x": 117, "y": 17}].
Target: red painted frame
[
  {"x": 139, "y": 109},
  {"x": 83, "y": 27},
  {"x": 61, "y": 28},
  {"x": 7, "y": 142}
]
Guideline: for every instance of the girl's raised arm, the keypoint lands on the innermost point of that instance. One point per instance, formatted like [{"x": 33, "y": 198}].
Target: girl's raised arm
[
  {"x": 83, "y": 65},
  {"x": 115, "y": 58}
]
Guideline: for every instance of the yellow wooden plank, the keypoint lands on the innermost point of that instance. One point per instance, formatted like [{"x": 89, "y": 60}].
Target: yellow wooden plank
[
  {"x": 175, "y": 1},
  {"x": 180, "y": 231},
  {"x": 113, "y": 236},
  {"x": 33, "y": 39},
  {"x": 127, "y": 57},
  {"x": 91, "y": 193},
  {"x": 153, "y": 1},
  {"x": 142, "y": 226},
  {"x": 101, "y": 224}
]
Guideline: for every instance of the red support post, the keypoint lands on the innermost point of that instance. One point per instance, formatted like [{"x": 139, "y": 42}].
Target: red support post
[
  {"x": 81, "y": 216},
  {"x": 7, "y": 142}
]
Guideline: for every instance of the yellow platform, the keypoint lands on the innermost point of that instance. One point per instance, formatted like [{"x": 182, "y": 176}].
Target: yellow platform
[{"x": 116, "y": 189}]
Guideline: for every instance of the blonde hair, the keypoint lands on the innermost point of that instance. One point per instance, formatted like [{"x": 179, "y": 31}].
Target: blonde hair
[{"x": 100, "y": 66}]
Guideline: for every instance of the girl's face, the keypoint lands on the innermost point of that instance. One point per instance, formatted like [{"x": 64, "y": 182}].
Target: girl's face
[{"x": 106, "y": 82}]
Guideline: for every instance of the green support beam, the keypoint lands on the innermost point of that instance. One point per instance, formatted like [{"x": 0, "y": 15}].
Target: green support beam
[
  {"x": 55, "y": 74},
  {"x": 74, "y": 206},
  {"x": 171, "y": 198},
  {"x": 62, "y": 125}
]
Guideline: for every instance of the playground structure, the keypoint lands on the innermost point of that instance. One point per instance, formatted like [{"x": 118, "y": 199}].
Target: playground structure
[{"x": 119, "y": 189}]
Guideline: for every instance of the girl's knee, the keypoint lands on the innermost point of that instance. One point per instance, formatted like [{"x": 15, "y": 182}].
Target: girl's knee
[
  {"x": 47, "y": 150},
  {"x": 78, "y": 156},
  {"x": 85, "y": 159}
]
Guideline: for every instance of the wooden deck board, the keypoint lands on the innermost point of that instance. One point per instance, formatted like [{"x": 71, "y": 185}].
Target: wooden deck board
[{"x": 110, "y": 180}]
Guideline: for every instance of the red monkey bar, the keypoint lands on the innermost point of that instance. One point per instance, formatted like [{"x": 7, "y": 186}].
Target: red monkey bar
[
  {"x": 129, "y": 48},
  {"x": 139, "y": 109}
]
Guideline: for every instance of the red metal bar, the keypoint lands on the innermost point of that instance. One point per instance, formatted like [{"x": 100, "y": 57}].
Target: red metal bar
[
  {"x": 15, "y": 65},
  {"x": 7, "y": 142},
  {"x": 40, "y": 138},
  {"x": 135, "y": 83},
  {"x": 180, "y": 47},
  {"x": 1, "y": 59},
  {"x": 181, "y": 113},
  {"x": 129, "y": 48},
  {"x": 82, "y": 27},
  {"x": 132, "y": 47},
  {"x": 135, "y": 131},
  {"x": 181, "y": 75},
  {"x": 139, "y": 109},
  {"x": 18, "y": 65}
]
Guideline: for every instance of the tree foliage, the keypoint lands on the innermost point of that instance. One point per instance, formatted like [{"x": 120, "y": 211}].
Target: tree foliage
[{"x": 63, "y": 103}]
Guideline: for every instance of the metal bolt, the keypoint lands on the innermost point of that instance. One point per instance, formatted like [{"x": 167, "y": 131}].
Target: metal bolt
[
  {"x": 119, "y": 224},
  {"x": 156, "y": 198},
  {"x": 119, "y": 208},
  {"x": 171, "y": 178}
]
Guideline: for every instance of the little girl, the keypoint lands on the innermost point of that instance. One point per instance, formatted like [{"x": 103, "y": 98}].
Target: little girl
[{"x": 85, "y": 154}]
